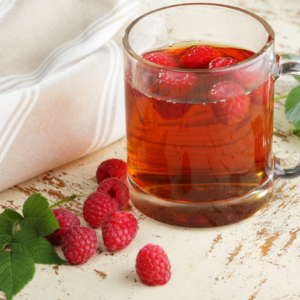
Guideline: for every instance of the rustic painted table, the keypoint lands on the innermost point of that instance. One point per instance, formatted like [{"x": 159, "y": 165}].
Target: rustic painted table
[{"x": 258, "y": 258}]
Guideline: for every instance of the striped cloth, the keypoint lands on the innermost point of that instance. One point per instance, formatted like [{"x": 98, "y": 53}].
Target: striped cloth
[{"x": 61, "y": 85}]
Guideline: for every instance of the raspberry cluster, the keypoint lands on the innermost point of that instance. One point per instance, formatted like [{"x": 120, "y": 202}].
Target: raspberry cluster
[
  {"x": 100, "y": 209},
  {"x": 119, "y": 228}
]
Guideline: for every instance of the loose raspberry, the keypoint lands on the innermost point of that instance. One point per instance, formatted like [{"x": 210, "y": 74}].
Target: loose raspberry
[
  {"x": 234, "y": 105},
  {"x": 119, "y": 229},
  {"x": 153, "y": 265},
  {"x": 112, "y": 168},
  {"x": 199, "y": 57},
  {"x": 176, "y": 84},
  {"x": 66, "y": 220},
  {"x": 161, "y": 59},
  {"x": 97, "y": 206},
  {"x": 117, "y": 189},
  {"x": 222, "y": 62},
  {"x": 79, "y": 245},
  {"x": 169, "y": 110},
  {"x": 263, "y": 94}
]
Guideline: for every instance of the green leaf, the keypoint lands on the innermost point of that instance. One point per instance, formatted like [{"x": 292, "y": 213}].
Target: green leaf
[
  {"x": 4, "y": 240},
  {"x": 16, "y": 270},
  {"x": 6, "y": 226},
  {"x": 41, "y": 250},
  {"x": 296, "y": 77},
  {"x": 11, "y": 215},
  {"x": 296, "y": 131},
  {"x": 9, "y": 219},
  {"x": 38, "y": 216},
  {"x": 292, "y": 106},
  {"x": 285, "y": 56}
]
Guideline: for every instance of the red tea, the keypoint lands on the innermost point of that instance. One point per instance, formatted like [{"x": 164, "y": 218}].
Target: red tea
[{"x": 209, "y": 140}]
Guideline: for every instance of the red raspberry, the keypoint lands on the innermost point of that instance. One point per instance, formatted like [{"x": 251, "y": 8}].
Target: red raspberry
[
  {"x": 97, "y": 206},
  {"x": 235, "y": 104},
  {"x": 248, "y": 79},
  {"x": 153, "y": 265},
  {"x": 222, "y": 62},
  {"x": 161, "y": 59},
  {"x": 112, "y": 168},
  {"x": 176, "y": 84},
  {"x": 199, "y": 57},
  {"x": 119, "y": 229},
  {"x": 79, "y": 245},
  {"x": 169, "y": 110},
  {"x": 117, "y": 189},
  {"x": 263, "y": 94},
  {"x": 66, "y": 220},
  {"x": 148, "y": 76}
]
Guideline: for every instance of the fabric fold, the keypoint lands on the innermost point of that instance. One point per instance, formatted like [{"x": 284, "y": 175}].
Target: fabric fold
[{"x": 63, "y": 97}]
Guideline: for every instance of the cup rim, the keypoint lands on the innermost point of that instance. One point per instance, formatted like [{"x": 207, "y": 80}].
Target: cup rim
[{"x": 255, "y": 57}]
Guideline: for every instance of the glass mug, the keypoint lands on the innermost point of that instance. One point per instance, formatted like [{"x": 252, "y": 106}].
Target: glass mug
[{"x": 191, "y": 163}]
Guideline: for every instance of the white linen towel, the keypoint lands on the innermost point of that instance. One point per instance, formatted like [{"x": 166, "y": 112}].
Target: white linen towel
[{"x": 61, "y": 82}]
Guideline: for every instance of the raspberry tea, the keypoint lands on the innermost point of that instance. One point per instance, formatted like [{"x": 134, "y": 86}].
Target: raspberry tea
[
  {"x": 199, "y": 110},
  {"x": 194, "y": 140}
]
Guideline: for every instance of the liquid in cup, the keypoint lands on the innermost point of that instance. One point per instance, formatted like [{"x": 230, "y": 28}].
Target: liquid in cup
[{"x": 181, "y": 149}]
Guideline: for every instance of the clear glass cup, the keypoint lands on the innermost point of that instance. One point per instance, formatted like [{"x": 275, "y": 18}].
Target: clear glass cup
[{"x": 189, "y": 164}]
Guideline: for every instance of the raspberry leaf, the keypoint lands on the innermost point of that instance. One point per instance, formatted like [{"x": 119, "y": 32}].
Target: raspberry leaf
[
  {"x": 296, "y": 131},
  {"x": 41, "y": 250},
  {"x": 11, "y": 215},
  {"x": 38, "y": 216},
  {"x": 296, "y": 77},
  {"x": 6, "y": 226},
  {"x": 16, "y": 270},
  {"x": 292, "y": 106},
  {"x": 4, "y": 240}
]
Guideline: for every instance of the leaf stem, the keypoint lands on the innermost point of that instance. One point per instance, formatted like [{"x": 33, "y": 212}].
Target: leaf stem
[
  {"x": 280, "y": 97},
  {"x": 67, "y": 199}
]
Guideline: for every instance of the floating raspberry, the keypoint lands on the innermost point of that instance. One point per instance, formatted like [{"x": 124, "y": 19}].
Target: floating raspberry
[
  {"x": 263, "y": 94},
  {"x": 66, "y": 220},
  {"x": 176, "y": 84},
  {"x": 112, "y": 168},
  {"x": 169, "y": 110},
  {"x": 148, "y": 76},
  {"x": 97, "y": 206},
  {"x": 234, "y": 105},
  {"x": 199, "y": 57},
  {"x": 79, "y": 245},
  {"x": 222, "y": 62},
  {"x": 153, "y": 265},
  {"x": 161, "y": 59},
  {"x": 248, "y": 78},
  {"x": 118, "y": 230},
  {"x": 117, "y": 189}
]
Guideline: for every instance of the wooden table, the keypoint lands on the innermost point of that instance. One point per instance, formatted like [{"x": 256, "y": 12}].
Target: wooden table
[{"x": 258, "y": 258}]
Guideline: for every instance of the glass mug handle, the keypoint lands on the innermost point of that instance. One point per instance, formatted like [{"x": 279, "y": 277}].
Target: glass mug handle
[{"x": 288, "y": 168}]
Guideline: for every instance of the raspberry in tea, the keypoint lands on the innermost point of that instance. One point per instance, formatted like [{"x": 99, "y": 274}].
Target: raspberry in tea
[{"x": 200, "y": 138}]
